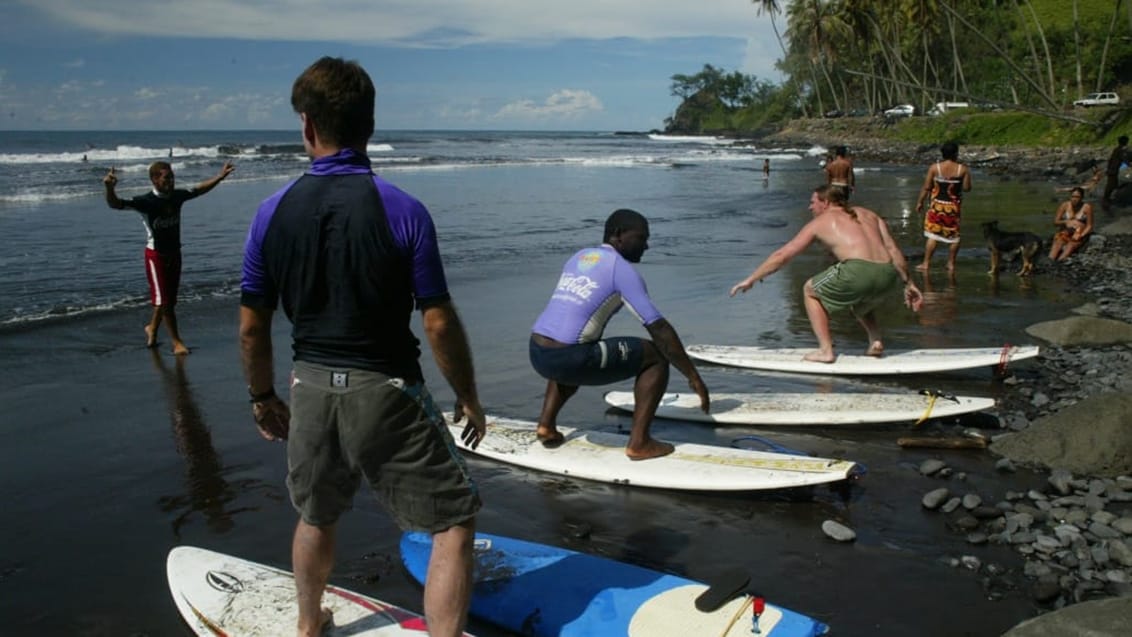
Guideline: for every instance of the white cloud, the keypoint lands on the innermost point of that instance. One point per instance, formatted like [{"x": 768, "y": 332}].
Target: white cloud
[
  {"x": 564, "y": 104},
  {"x": 75, "y": 64},
  {"x": 443, "y": 23},
  {"x": 146, "y": 93}
]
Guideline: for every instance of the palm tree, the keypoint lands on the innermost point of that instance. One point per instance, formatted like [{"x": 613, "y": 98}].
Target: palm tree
[{"x": 772, "y": 8}]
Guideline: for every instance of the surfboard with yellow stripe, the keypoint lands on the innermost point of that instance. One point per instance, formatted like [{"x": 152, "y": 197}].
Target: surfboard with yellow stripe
[{"x": 598, "y": 455}]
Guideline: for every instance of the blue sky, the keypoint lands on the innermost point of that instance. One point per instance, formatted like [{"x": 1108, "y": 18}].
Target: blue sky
[{"x": 437, "y": 64}]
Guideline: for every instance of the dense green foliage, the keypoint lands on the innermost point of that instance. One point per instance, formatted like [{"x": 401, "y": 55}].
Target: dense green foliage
[{"x": 862, "y": 56}]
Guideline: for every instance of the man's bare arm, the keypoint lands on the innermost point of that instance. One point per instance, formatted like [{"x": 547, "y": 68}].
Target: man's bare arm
[
  {"x": 271, "y": 414},
  {"x": 779, "y": 257},
  {"x": 209, "y": 184},
  {"x": 450, "y": 350},
  {"x": 112, "y": 200},
  {"x": 670, "y": 345}
]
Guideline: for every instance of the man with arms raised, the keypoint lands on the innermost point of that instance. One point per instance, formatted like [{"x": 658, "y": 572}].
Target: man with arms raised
[
  {"x": 568, "y": 350},
  {"x": 161, "y": 212},
  {"x": 869, "y": 267},
  {"x": 349, "y": 255}
]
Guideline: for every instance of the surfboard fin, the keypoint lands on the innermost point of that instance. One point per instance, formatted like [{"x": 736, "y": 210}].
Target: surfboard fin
[{"x": 722, "y": 589}]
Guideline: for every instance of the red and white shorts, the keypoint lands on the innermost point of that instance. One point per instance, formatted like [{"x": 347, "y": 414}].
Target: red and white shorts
[{"x": 163, "y": 272}]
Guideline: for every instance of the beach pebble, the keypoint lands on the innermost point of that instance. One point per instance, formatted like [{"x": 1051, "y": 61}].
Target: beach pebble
[
  {"x": 971, "y": 500},
  {"x": 1059, "y": 479},
  {"x": 838, "y": 531},
  {"x": 931, "y": 466},
  {"x": 1124, "y": 525},
  {"x": 1103, "y": 531},
  {"x": 1005, "y": 465},
  {"x": 951, "y": 505},
  {"x": 932, "y": 499},
  {"x": 1045, "y": 590},
  {"x": 1121, "y": 552}
]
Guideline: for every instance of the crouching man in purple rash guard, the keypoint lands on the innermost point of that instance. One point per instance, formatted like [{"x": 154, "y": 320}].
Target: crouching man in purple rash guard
[{"x": 568, "y": 350}]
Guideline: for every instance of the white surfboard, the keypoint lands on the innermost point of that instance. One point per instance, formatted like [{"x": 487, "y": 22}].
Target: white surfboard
[
  {"x": 595, "y": 455},
  {"x": 909, "y": 361},
  {"x": 807, "y": 409},
  {"x": 219, "y": 594}
]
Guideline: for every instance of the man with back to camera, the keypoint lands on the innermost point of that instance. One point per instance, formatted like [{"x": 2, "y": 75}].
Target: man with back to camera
[
  {"x": 839, "y": 172},
  {"x": 869, "y": 267},
  {"x": 349, "y": 255},
  {"x": 568, "y": 350},
  {"x": 161, "y": 213}
]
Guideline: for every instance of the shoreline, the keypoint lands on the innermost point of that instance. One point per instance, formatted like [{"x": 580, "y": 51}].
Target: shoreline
[{"x": 1068, "y": 165}]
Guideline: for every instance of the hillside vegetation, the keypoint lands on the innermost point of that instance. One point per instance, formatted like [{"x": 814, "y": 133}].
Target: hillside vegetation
[{"x": 1019, "y": 63}]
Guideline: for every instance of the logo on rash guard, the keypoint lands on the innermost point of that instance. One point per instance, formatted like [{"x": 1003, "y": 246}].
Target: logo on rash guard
[
  {"x": 580, "y": 285},
  {"x": 588, "y": 260}
]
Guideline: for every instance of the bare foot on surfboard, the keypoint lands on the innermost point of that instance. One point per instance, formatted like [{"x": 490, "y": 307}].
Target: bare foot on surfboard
[
  {"x": 818, "y": 356},
  {"x": 325, "y": 623},
  {"x": 651, "y": 449},
  {"x": 550, "y": 438},
  {"x": 875, "y": 349}
]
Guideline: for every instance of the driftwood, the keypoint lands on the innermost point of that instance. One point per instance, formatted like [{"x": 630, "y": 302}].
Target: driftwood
[{"x": 935, "y": 442}]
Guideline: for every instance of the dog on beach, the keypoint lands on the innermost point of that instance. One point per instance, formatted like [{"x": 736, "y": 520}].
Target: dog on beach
[{"x": 1009, "y": 245}]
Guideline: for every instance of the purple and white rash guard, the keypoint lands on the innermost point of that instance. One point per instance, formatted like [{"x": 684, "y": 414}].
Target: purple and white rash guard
[{"x": 594, "y": 284}]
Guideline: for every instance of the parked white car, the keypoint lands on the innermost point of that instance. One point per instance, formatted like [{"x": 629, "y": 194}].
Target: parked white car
[
  {"x": 1098, "y": 99},
  {"x": 902, "y": 110}
]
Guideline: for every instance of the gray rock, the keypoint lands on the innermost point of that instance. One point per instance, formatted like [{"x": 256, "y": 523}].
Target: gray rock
[
  {"x": 931, "y": 466},
  {"x": 1124, "y": 525},
  {"x": 1045, "y": 591},
  {"x": 977, "y": 538},
  {"x": 1005, "y": 465},
  {"x": 1103, "y": 531},
  {"x": 972, "y": 563},
  {"x": 1060, "y": 480},
  {"x": 1082, "y": 331},
  {"x": 971, "y": 500},
  {"x": 932, "y": 499},
  {"x": 838, "y": 531},
  {"x": 1120, "y": 552},
  {"x": 951, "y": 505},
  {"x": 1117, "y": 576}
]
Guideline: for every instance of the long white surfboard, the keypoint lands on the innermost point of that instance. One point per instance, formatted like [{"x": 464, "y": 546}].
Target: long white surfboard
[
  {"x": 595, "y": 455},
  {"x": 909, "y": 361},
  {"x": 807, "y": 409},
  {"x": 220, "y": 594}
]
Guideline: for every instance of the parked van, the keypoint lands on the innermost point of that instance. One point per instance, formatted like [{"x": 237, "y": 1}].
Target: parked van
[
  {"x": 1098, "y": 99},
  {"x": 942, "y": 107}
]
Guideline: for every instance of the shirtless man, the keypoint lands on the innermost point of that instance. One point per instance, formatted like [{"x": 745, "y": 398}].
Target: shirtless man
[
  {"x": 839, "y": 172},
  {"x": 869, "y": 266},
  {"x": 568, "y": 350}
]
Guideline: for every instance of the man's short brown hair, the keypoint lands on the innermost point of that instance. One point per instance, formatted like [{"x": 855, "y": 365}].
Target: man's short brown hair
[{"x": 337, "y": 97}]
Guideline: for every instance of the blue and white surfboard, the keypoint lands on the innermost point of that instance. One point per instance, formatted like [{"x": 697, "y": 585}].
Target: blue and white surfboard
[{"x": 545, "y": 591}]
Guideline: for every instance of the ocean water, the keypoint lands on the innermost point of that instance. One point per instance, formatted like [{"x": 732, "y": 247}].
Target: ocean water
[{"x": 113, "y": 453}]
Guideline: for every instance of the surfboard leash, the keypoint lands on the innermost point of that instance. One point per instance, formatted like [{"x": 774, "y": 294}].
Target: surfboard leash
[
  {"x": 933, "y": 395},
  {"x": 758, "y": 605},
  {"x": 1003, "y": 359}
]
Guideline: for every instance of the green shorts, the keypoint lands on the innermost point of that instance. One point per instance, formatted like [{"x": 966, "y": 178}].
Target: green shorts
[
  {"x": 347, "y": 424},
  {"x": 856, "y": 285}
]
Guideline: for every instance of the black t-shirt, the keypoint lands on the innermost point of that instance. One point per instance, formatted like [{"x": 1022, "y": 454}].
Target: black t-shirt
[{"x": 162, "y": 218}]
